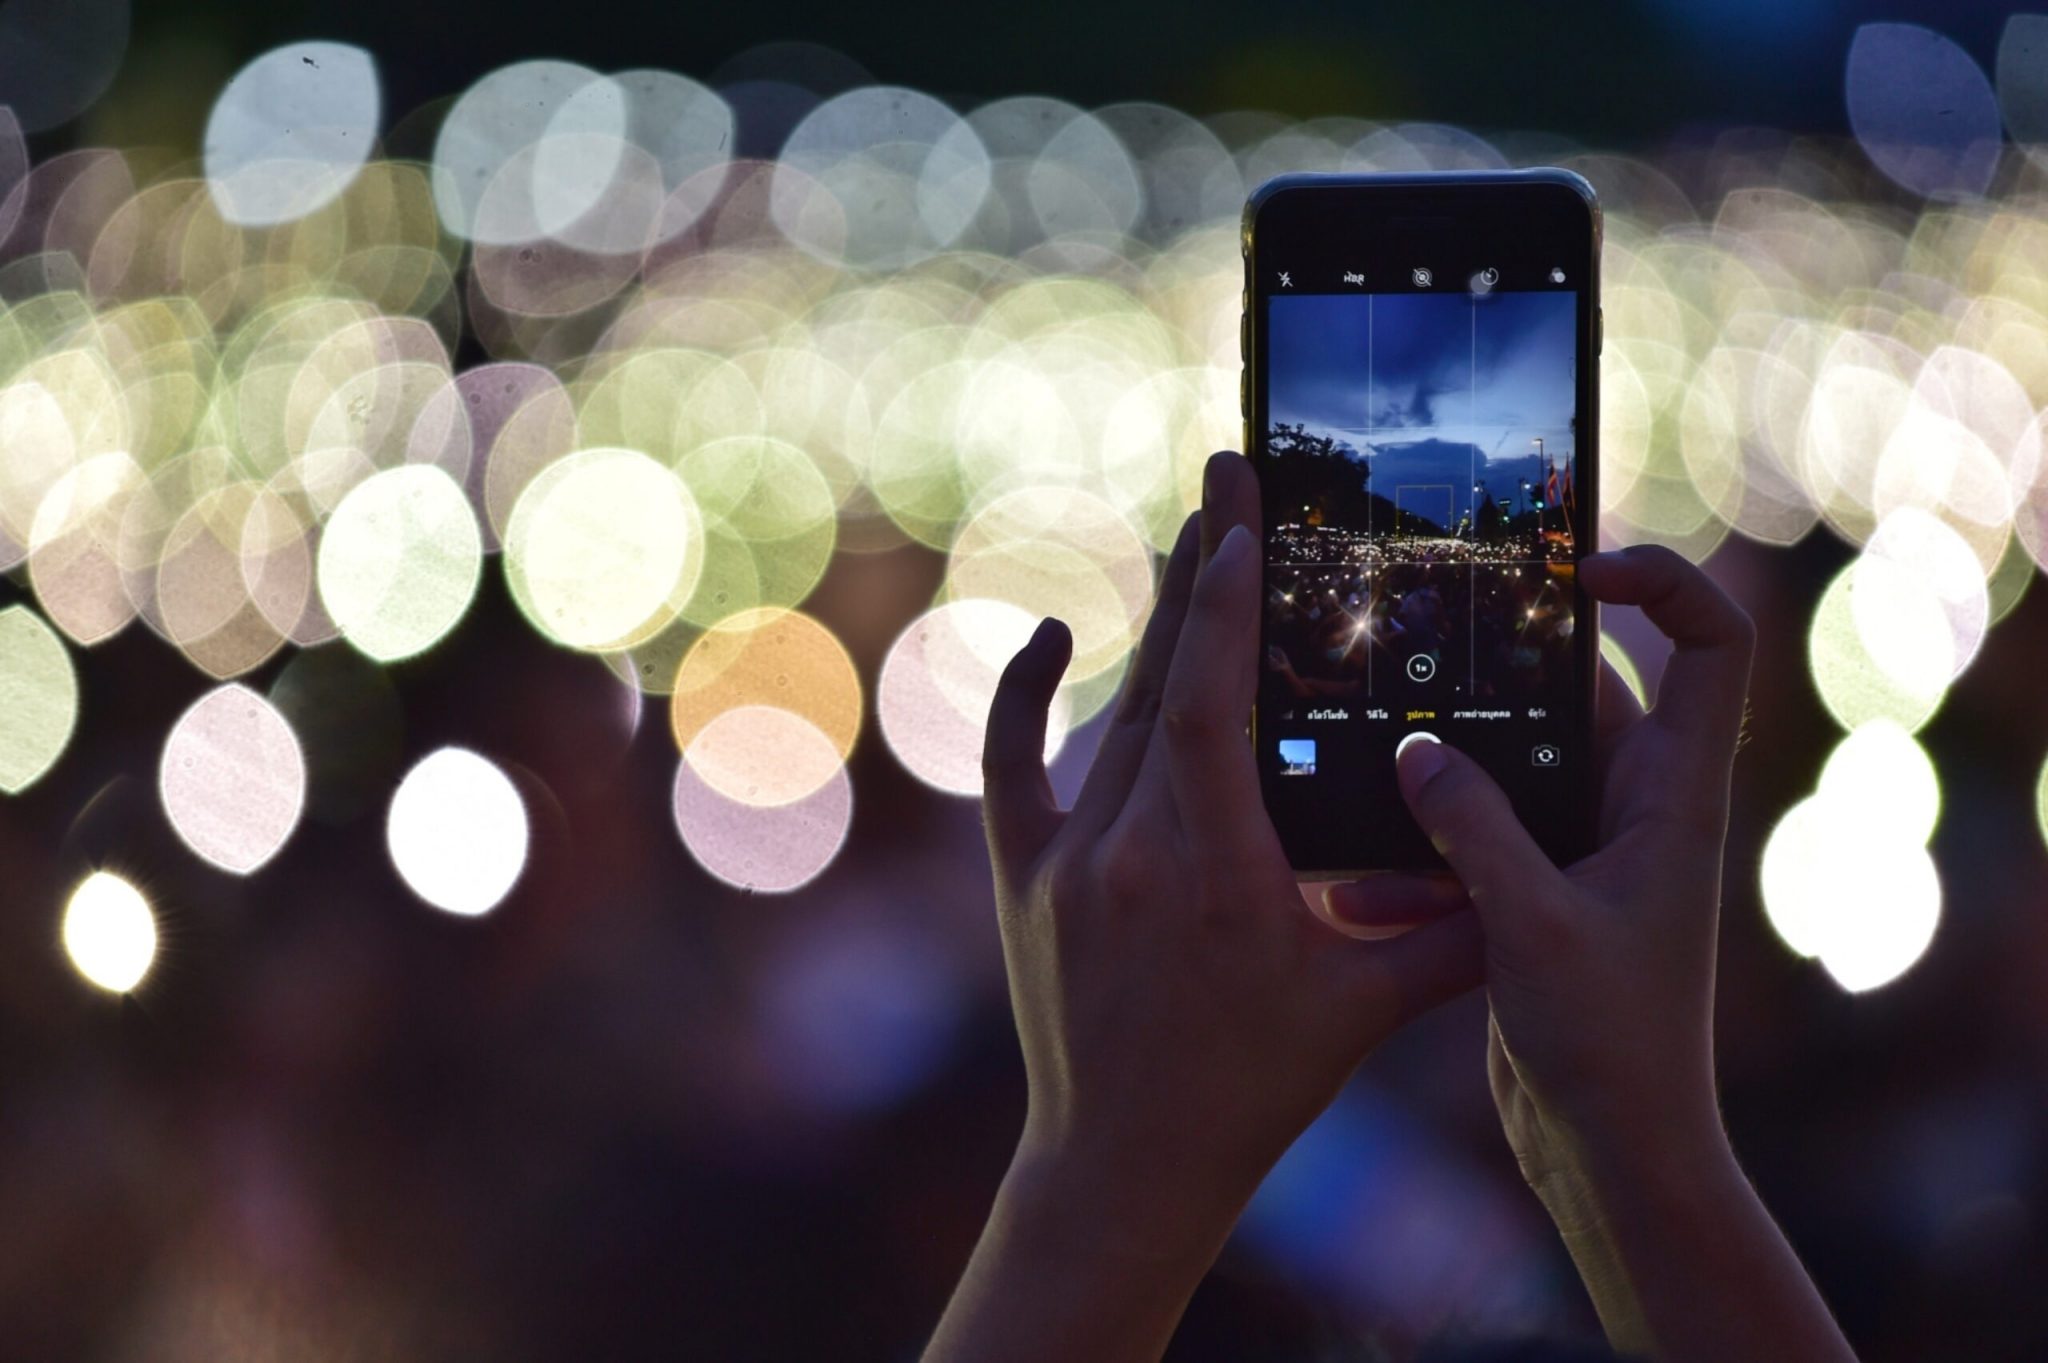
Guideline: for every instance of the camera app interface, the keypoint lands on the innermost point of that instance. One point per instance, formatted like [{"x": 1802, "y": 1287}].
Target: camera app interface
[{"x": 1419, "y": 471}]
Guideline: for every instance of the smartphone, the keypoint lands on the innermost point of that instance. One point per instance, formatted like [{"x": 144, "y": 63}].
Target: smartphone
[{"x": 1421, "y": 405}]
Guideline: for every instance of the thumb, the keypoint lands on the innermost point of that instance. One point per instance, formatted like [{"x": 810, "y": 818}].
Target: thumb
[{"x": 1471, "y": 824}]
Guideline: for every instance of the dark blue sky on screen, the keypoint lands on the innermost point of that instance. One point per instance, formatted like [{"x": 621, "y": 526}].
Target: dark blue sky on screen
[{"x": 1394, "y": 367}]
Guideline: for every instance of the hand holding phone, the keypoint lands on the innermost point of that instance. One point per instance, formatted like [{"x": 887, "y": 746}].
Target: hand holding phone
[
  {"x": 1421, "y": 408},
  {"x": 1183, "y": 1015},
  {"x": 1600, "y": 978},
  {"x": 1601, "y": 972}
]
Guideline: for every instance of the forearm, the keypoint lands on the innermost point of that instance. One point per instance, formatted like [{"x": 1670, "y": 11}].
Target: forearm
[
  {"x": 1681, "y": 1257},
  {"x": 1078, "y": 1266}
]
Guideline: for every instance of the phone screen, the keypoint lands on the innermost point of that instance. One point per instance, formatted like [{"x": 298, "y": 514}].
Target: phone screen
[{"x": 1420, "y": 427}]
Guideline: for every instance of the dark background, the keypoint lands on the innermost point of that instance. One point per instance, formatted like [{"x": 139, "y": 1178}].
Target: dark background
[
  {"x": 634, "y": 1114},
  {"x": 1612, "y": 72}
]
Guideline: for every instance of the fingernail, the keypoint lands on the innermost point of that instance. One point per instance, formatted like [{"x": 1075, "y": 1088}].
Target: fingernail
[
  {"x": 1419, "y": 757},
  {"x": 1340, "y": 898},
  {"x": 1236, "y": 544}
]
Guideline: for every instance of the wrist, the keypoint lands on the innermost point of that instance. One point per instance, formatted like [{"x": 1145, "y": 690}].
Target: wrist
[
  {"x": 1592, "y": 1169},
  {"x": 1677, "y": 1252},
  {"x": 1076, "y": 1263},
  {"x": 1149, "y": 1210},
  {"x": 1621, "y": 1197}
]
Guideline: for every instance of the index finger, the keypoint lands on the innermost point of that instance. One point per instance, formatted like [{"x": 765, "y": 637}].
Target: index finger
[
  {"x": 1706, "y": 680},
  {"x": 1208, "y": 703},
  {"x": 1122, "y": 753},
  {"x": 1017, "y": 803}
]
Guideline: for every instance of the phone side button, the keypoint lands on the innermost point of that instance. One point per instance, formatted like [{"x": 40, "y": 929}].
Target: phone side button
[
  {"x": 1599, "y": 330},
  {"x": 1244, "y": 405}
]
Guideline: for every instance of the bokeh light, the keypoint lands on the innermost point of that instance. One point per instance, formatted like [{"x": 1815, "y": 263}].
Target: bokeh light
[
  {"x": 678, "y": 350},
  {"x": 2022, "y": 77},
  {"x": 233, "y": 779},
  {"x": 1064, "y": 553},
  {"x": 109, "y": 932},
  {"x": 202, "y": 593},
  {"x": 38, "y": 698},
  {"x": 1923, "y": 109},
  {"x": 497, "y": 178},
  {"x": 457, "y": 831},
  {"x": 761, "y": 755},
  {"x": 790, "y": 400},
  {"x": 1918, "y": 547},
  {"x": 1616, "y": 657},
  {"x": 400, "y": 561},
  {"x": 1845, "y": 875},
  {"x": 290, "y": 131},
  {"x": 762, "y": 800},
  {"x": 2041, "y": 801},
  {"x": 879, "y": 177},
  {"x": 1906, "y": 674},
  {"x": 780, "y": 659},
  {"x": 603, "y": 549},
  {"x": 937, "y": 684},
  {"x": 1885, "y": 775},
  {"x": 73, "y": 547},
  {"x": 770, "y": 523}
]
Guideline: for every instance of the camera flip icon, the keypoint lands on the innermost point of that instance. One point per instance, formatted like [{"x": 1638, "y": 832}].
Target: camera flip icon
[{"x": 1546, "y": 755}]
